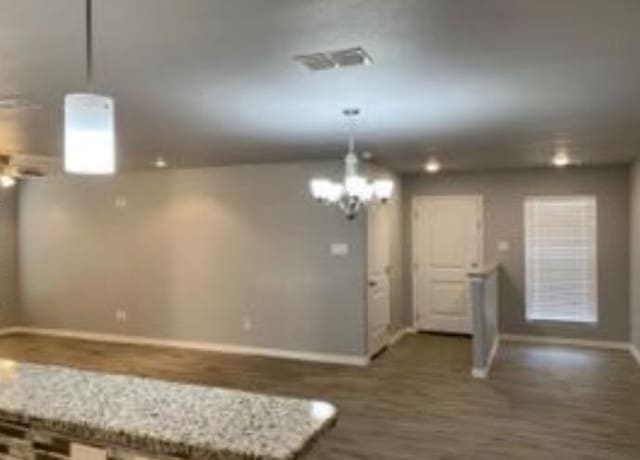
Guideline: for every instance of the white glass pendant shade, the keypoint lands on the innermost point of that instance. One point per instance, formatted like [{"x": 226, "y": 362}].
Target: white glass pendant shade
[
  {"x": 335, "y": 192},
  {"x": 356, "y": 186},
  {"x": 383, "y": 189},
  {"x": 320, "y": 188},
  {"x": 326, "y": 190},
  {"x": 89, "y": 134}
]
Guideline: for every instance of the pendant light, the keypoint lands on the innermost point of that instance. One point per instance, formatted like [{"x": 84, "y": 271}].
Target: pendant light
[{"x": 89, "y": 128}]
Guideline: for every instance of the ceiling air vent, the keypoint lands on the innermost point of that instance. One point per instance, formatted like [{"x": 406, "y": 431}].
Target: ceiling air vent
[
  {"x": 334, "y": 59},
  {"x": 317, "y": 61}
]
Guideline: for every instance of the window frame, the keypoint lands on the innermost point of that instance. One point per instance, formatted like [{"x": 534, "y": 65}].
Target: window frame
[{"x": 586, "y": 322}]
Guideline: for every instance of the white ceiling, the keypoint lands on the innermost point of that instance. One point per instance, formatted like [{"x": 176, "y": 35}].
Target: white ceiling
[{"x": 492, "y": 83}]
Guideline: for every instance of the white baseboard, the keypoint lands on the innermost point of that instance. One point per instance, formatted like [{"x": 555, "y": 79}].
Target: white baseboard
[
  {"x": 635, "y": 353},
  {"x": 564, "y": 341},
  {"x": 493, "y": 352},
  {"x": 11, "y": 330},
  {"x": 483, "y": 373},
  {"x": 399, "y": 334},
  {"x": 479, "y": 373},
  {"x": 352, "y": 360}
]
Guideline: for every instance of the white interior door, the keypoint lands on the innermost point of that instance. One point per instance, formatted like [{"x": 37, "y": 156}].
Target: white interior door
[
  {"x": 447, "y": 244},
  {"x": 378, "y": 283}
]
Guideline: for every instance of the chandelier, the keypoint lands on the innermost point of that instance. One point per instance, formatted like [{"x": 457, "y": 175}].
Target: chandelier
[{"x": 355, "y": 190}]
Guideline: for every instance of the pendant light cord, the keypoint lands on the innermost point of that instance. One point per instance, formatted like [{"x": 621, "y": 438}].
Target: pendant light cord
[{"x": 89, "y": 31}]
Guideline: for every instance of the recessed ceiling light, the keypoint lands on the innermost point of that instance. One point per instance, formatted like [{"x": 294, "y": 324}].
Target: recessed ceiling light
[
  {"x": 433, "y": 166},
  {"x": 7, "y": 181},
  {"x": 160, "y": 163},
  {"x": 561, "y": 158}
]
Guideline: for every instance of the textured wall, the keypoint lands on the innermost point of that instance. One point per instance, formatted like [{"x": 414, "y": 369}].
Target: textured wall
[
  {"x": 396, "y": 254},
  {"x": 635, "y": 254},
  {"x": 504, "y": 193},
  {"x": 8, "y": 258},
  {"x": 194, "y": 255}
]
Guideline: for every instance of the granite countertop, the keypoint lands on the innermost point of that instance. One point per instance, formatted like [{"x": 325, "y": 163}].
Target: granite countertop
[{"x": 158, "y": 417}]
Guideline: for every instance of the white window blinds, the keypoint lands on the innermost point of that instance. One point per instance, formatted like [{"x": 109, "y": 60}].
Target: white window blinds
[{"x": 561, "y": 259}]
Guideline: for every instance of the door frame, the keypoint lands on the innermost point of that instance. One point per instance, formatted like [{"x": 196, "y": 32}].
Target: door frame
[
  {"x": 415, "y": 202},
  {"x": 388, "y": 271}
]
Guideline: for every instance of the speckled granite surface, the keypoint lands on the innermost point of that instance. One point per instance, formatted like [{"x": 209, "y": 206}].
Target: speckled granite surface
[{"x": 158, "y": 417}]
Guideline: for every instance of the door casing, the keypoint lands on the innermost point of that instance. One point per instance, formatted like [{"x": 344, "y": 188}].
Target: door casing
[
  {"x": 418, "y": 201},
  {"x": 378, "y": 277}
]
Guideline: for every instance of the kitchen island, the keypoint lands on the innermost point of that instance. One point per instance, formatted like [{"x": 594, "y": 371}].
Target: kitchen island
[{"x": 52, "y": 412}]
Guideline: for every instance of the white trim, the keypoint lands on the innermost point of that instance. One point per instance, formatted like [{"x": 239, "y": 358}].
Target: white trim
[
  {"x": 399, "y": 334},
  {"x": 352, "y": 360},
  {"x": 415, "y": 203},
  {"x": 565, "y": 341},
  {"x": 634, "y": 352},
  {"x": 493, "y": 352},
  {"x": 479, "y": 373},
  {"x": 10, "y": 330},
  {"x": 483, "y": 373},
  {"x": 532, "y": 316}
]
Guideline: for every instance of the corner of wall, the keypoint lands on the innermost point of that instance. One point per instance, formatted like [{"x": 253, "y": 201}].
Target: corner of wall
[
  {"x": 635, "y": 253},
  {"x": 9, "y": 292}
]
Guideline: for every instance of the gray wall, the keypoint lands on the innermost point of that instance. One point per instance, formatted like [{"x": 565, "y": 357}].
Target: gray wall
[
  {"x": 8, "y": 258},
  {"x": 504, "y": 192},
  {"x": 193, "y": 255},
  {"x": 396, "y": 269},
  {"x": 635, "y": 254}
]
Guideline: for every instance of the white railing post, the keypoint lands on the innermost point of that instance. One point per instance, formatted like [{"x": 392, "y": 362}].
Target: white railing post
[{"x": 483, "y": 290}]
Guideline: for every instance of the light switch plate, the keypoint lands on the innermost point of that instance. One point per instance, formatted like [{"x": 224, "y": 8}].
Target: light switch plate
[{"x": 339, "y": 249}]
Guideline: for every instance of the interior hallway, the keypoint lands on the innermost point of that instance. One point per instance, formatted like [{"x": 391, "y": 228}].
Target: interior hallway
[{"x": 416, "y": 401}]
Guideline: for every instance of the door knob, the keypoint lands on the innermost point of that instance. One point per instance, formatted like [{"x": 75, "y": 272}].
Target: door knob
[{"x": 372, "y": 283}]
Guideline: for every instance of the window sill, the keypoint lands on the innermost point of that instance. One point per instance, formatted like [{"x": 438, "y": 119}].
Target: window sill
[{"x": 563, "y": 322}]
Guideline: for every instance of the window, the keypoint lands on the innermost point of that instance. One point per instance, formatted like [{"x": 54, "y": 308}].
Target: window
[{"x": 561, "y": 259}]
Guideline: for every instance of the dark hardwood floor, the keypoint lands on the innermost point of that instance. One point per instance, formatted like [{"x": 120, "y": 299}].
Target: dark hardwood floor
[{"x": 416, "y": 401}]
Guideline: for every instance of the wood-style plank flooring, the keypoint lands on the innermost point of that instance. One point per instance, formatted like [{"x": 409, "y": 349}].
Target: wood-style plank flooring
[{"x": 416, "y": 401}]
